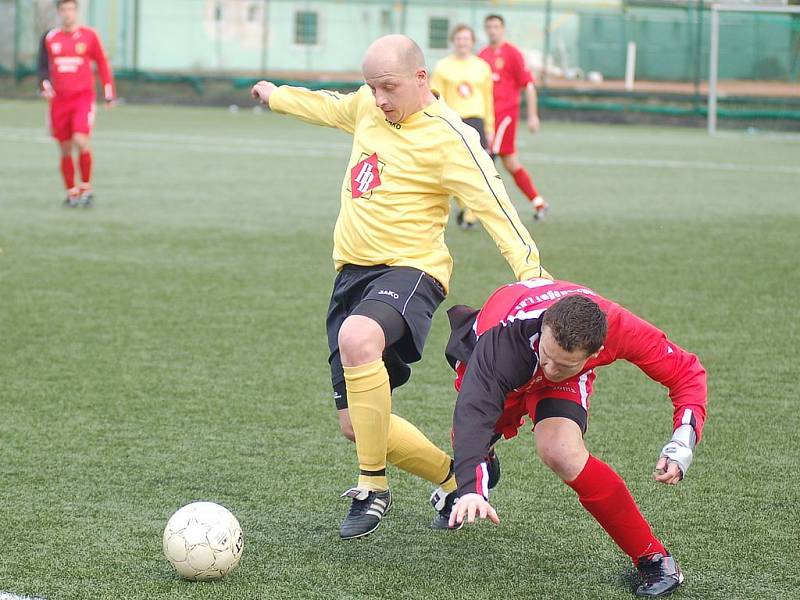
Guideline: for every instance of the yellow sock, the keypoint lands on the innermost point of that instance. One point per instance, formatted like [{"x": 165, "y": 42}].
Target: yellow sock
[
  {"x": 410, "y": 450},
  {"x": 369, "y": 399}
]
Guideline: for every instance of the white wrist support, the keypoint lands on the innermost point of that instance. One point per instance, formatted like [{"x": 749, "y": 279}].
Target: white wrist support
[
  {"x": 685, "y": 435},
  {"x": 679, "y": 450}
]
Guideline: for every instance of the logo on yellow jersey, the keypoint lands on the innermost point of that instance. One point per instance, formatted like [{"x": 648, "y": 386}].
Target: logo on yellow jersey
[
  {"x": 365, "y": 176},
  {"x": 80, "y": 48},
  {"x": 464, "y": 89}
]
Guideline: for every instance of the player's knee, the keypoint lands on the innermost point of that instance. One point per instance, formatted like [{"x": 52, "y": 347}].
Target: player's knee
[
  {"x": 566, "y": 461},
  {"x": 81, "y": 143},
  {"x": 361, "y": 341},
  {"x": 560, "y": 446},
  {"x": 511, "y": 163}
]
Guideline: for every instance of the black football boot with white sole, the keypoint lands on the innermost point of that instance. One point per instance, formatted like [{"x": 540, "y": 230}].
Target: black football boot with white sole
[
  {"x": 367, "y": 510},
  {"x": 660, "y": 574},
  {"x": 86, "y": 200},
  {"x": 443, "y": 503}
]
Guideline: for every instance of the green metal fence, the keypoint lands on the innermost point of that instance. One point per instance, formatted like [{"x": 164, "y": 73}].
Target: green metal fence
[{"x": 564, "y": 41}]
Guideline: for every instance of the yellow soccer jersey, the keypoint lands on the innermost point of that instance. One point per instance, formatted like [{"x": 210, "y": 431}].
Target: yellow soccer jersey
[
  {"x": 466, "y": 87},
  {"x": 397, "y": 186}
]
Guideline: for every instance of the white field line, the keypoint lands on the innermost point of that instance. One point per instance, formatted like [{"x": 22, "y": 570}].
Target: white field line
[
  {"x": 35, "y": 133},
  {"x": 244, "y": 146},
  {"x": 213, "y": 146},
  {"x": 659, "y": 163},
  {"x": 668, "y": 138},
  {"x": 10, "y": 596},
  {"x": 760, "y": 136}
]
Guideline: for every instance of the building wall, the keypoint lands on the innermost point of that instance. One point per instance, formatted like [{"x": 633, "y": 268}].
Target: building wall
[
  {"x": 193, "y": 36},
  {"x": 254, "y": 36}
]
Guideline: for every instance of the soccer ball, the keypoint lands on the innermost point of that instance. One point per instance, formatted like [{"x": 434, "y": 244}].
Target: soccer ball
[{"x": 203, "y": 541}]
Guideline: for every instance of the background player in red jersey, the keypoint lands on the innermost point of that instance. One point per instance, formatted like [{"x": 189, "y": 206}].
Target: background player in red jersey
[
  {"x": 67, "y": 81},
  {"x": 532, "y": 350},
  {"x": 510, "y": 75}
]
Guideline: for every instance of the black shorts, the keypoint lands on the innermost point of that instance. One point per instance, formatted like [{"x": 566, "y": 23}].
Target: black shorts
[
  {"x": 413, "y": 293},
  {"x": 477, "y": 125},
  {"x": 555, "y": 407}
]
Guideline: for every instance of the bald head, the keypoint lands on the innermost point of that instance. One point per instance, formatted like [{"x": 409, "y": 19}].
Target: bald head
[
  {"x": 394, "y": 69},
  {"x": 395, "y": 54}
]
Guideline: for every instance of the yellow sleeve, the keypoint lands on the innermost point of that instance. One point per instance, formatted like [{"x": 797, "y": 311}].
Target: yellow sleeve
[
  {"x": 470, "y": 176},
  {"x": 488, "y": 94},
  {"x": 318, "y": 107}
]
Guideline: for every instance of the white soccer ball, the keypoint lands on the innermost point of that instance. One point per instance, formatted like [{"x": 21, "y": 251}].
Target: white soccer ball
[{"x": 203, "y": 541}]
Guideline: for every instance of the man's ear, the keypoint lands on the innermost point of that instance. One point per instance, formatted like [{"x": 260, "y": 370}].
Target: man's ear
[{"x": 596, "y": 354}]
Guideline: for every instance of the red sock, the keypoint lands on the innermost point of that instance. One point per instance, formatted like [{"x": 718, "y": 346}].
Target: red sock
[
  {"x": 523, "y": 181},
  {"x": 603, "y": 493},
  {"x": 85, "y": 161},
  {"x": 68, "y": 172}
]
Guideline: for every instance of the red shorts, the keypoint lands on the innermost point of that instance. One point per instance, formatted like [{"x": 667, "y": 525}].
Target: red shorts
[
  {"x": 71, "y": 114},
  {"x": 505, "y": 134},
  {"x": 541, "y": 399}
]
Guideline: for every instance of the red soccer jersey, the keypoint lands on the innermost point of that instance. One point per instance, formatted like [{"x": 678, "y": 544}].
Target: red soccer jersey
[
  {"x": 629, "y": 338},
  {"x": 510, "y": 75},
  {"x": 68, "y": 62}
]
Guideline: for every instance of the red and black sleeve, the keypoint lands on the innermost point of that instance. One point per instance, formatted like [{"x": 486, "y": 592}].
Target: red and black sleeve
[{"x": 502, "y": 361}]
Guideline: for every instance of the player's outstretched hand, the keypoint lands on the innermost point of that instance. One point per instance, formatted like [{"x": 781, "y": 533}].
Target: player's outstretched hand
[
  {"x": 667, "y": 471},
  {"x": 262, "y": 91},
  {"x": 470, "y": 506},
  {"x": 533, "y": 123}
]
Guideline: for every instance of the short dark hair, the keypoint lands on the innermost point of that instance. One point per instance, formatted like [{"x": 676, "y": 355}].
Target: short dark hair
[
  {"x": 459, "y": 29},
  {"x": 60, "y": 3},
  {"x": 577, "y": 323},
  {"x": 493, "y": 16}
]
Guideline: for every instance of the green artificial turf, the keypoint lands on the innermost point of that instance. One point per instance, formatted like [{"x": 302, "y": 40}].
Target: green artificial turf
[{"x": 169, "y": 346}]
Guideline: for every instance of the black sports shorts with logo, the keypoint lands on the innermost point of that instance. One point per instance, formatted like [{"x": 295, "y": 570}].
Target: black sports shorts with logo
[{"x": 401, "y": 299}]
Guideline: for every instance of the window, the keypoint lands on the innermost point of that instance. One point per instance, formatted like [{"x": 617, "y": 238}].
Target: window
[
  {"x": 437, "y": 32},
  {"x": 305, "y": 28},
  {"x": 252, "y": 13},
  {"x": 387, "y": 20}
]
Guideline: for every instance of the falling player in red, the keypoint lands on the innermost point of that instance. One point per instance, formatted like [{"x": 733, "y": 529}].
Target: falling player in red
[
  {"x": 532, "y": 351},
  {"x": 510, "y": 75},
  {"x": 67, "y": 81}
]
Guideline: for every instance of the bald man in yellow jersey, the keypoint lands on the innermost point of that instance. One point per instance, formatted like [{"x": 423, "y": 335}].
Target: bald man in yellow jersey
[
  {"x": 464, "y": 82},
  {"x": 410, "y": 154}
]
